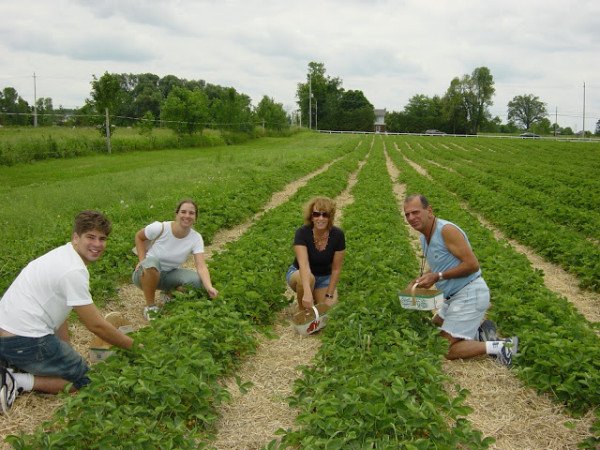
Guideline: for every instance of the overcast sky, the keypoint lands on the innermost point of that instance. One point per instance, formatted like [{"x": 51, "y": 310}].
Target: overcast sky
[{"x": 390, "y": 50}]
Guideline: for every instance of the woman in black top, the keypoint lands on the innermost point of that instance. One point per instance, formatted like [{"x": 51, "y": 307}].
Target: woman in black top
[{"x": 319, "y": 247}]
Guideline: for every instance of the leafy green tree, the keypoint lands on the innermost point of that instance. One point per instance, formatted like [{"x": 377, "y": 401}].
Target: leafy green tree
[
  {"x": 107, "y": 93},
  {"x": 145, "y": 94},
  {"x": 477, "y": 91},
  {"x": 394, "y": 121},
  {"x": 355, "y": 112},
  {"x": 420, "y": 114},
  {"x": 597, "y": 132},
  {"x": 453, "y": 109},
  {"x": 526, "y": 110},
  {"x": 567, "y": 131},
  {"x": 271, "y": 114},
  {"x": 146, "y": 125},
  {"x": 45, "y": 111},
  {"x": 185, "y": 111},
  {"x": 492, "y": 125},
  {"x": 509, "y": 128},
  {"x": 542, "y": 126},
  {"x": 13, "y": 109},
  {"x": 229, "y": 110},
  {"x": 324, "y": 103}
]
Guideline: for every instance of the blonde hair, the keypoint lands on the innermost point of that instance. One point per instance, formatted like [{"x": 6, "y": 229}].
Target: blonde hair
[{"x": 324, "y": 204}]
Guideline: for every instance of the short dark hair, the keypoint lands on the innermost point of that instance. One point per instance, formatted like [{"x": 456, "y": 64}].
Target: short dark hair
[
  {"x": 89, "y": 220},
  {"x": 421, "y": 197},
  {"x": 183, "y": 202}
]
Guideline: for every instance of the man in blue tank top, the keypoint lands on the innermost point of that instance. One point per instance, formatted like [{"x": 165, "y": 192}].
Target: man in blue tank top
[{"x": 454, "y": 269}]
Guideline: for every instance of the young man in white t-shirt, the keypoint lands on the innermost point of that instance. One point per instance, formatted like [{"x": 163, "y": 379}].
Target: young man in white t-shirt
[{"x": 34, "y": 336}]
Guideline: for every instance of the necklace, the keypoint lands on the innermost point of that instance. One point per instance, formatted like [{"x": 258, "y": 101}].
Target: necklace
[
  {"x": 428, "y": 240},
  {"x": 321, "y": 241}
]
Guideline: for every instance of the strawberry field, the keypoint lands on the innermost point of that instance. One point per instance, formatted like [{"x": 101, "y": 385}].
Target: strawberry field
[{"x": 377, "y": 380}]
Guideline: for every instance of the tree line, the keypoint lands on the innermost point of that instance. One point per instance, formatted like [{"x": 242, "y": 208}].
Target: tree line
[
  {"x": 147, "y": 100},
  {"x": 464, "y": 109},
  {"x": 324, "y": 104},
  {"x": 188, "y": 106}
]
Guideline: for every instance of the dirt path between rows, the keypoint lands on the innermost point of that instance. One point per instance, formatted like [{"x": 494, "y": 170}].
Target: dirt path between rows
[
  {"x": 503, "y": 408},
  {"x": 31, "y": 409},
  {"x": 250, "y": 420}
]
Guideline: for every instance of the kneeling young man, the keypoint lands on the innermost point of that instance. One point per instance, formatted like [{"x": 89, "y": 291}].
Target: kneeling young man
[{"x": 34, "y": 336}]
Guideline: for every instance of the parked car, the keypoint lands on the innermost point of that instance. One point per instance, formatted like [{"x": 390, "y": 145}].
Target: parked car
[
  {"x": 529, "y": 135},
  {"x": 434, "y": 132}
]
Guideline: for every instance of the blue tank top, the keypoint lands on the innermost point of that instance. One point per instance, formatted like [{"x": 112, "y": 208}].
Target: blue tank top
[{"x": 440, "y": 259}]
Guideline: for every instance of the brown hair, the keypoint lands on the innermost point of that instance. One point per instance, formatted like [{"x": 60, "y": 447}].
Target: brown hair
[
  {"x": 183, "y": 202},
  {"x": 89, "y": 220},
  {"x": 324, "y": 204}
]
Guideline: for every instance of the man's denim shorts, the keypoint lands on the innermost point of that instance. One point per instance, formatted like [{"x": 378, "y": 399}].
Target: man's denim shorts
[
  {"x": 464, "y": 311},
  {"x": 168, "y": 280},
  {"x": 47, "y": 356},
  {"x": 321, "y": 281}
]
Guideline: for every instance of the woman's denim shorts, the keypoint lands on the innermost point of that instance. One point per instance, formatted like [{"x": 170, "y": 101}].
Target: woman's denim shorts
[
  {"x": 321, "y": 281},
  {"x": 168, "y": 280}
]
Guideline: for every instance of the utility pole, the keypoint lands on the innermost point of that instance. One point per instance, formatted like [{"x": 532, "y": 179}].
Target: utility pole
[
  {"x": 555, "y": 119},
  {"x": 34, "y": 102},
  {"x": 583, "y": 133},
  {"x": 316, "y": 114}
]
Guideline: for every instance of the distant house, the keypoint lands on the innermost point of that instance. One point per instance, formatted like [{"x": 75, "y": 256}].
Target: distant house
[{"x": 379, "y": 121}]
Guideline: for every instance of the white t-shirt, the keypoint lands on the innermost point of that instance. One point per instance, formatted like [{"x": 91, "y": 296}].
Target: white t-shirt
[
  {"x": 170, "y": 250},
  {"x": 38, "y": 302}
]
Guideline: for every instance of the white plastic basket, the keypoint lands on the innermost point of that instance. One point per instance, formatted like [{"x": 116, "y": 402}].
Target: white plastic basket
[
  {"x": 312, "y": 322},
  {"x": 99, "y": 349},
  {"x": 421, "y": 299}
]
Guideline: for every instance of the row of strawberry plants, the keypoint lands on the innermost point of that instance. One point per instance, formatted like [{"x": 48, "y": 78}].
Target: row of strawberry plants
[
  {"x": 560, "y": 350},
  {"x": 377, "y": 380},
  {"x": 555, "y": 242},
  {"x": 165, "y": 395},
  {"x": 561, "y": 172},
  {"x": 550, "y": 182},
  {"x": 575, "y": 158},
  {"x": 229, "y": 183},
  {"x": 501, "y": 179}
]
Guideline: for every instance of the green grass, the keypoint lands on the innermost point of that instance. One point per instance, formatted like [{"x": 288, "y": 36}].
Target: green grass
[{"x": 26, "y": 144}]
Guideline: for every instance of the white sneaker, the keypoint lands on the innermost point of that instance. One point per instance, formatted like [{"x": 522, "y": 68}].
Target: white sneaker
[
  {"x": 150, "y": 312},
  {"x": 510, "y": 348},
  {"x": 8, "y": 389}
]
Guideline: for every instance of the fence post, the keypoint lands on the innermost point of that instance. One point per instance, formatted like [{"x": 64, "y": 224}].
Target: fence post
[{"x": 107, "y": 132}]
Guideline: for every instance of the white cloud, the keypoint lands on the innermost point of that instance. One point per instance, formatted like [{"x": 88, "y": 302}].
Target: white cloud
[{"x": 391, "y": 50}]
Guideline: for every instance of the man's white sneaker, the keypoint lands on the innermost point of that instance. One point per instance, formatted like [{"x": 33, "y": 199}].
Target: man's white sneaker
[
  {"x": 510, "y": 348},
  {"x": 8, "y": 389}
]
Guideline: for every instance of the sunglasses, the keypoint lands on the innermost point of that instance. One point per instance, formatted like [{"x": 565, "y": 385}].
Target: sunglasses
[{"x": 316, "y": 214}]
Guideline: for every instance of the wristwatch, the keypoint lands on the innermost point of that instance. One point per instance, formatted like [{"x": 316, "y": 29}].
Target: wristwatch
[{"x": 440, "y": 276}]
